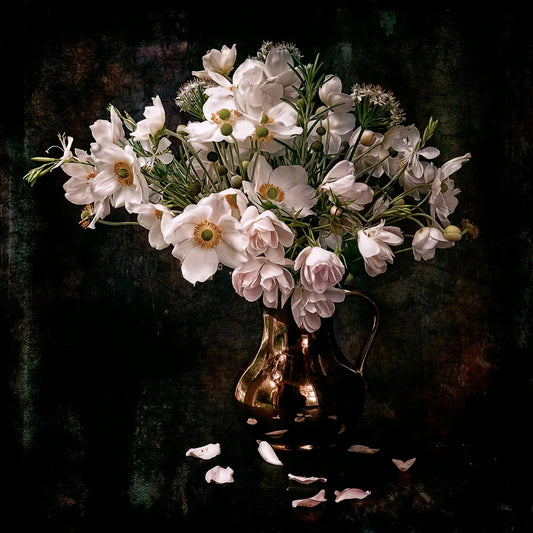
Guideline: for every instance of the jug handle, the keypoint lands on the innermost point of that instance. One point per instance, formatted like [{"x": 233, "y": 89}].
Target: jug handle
[{"x": 375, "y": 325}]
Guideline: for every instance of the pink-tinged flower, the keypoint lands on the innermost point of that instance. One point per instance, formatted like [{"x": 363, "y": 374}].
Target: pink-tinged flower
[
  {"x": 319, "y": 269},
  {"x": 426, "y": 241},
  {"x": 204, "y": 235},
  {"x": 374, "y": 246},
  {"x": 78, "y": 188},
  {"x": 308, "y": 307},
  {"x": 340, "y": 185},
  {"x": 286, "y": 187},
  {"x": 153, "y": 217},
  {"x": 268, "y": 234},
  {"x": 260, "y": 277}
]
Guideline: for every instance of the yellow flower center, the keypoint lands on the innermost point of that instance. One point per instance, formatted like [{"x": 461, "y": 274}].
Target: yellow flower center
[
  {"x": 123, "y": 173},
  {"x": 207, "y": 234},
  {"x": 271, "y": 192}
]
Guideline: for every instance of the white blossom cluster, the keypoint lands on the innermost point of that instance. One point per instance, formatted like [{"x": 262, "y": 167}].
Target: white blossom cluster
[{"x": 279, "y": 175}]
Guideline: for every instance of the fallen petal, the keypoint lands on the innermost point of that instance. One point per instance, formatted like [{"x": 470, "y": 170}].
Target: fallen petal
[
  {"x": 307, "y": 480},
  {"x": 350, "y": 494},
  {"x": 311, "y": 502},
  {"x": 204, "y": 452},
  {"x": 219, "y": 475},
  {"x": 251, "y": 421},
  {"x": 359, "y": 448},
  {"x": 268, "y": 454},
  {"x": 404, "y": 465},
  {"x": 277, "y": 433}
]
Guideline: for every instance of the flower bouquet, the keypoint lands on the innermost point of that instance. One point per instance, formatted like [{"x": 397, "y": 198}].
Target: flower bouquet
[{"x": 279, "y": 175}]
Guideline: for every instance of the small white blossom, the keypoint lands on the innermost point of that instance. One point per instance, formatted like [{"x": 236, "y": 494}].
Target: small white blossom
[{"x": 426, "y": 241}]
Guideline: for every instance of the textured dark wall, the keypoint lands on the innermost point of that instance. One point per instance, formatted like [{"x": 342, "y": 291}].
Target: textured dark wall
[{"x": 115, "y": 365}]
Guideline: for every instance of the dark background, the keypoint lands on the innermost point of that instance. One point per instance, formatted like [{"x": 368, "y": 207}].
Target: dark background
[{"x": 115, "y": 366}]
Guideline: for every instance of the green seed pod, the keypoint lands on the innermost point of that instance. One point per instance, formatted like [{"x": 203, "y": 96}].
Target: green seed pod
[
  {"x": 224, "y": 114},
  {"x": 317, "y": 146},
  {"x": 321, "y": 130},
  {"x": 226, "y": 129},
  {"x": 212, "y": 156},
  {"x": 194, "y": 188},
  {"x": 222, "y": 170},
  {"x": 261, "y": 132}
]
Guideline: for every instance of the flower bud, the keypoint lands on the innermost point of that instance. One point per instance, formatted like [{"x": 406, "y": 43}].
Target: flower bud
[
  {"x": 193, "y": 188},
  {"x": 335, "y": 211},
  {"x": 452, "y": 233},
  {"x": 212, "y": 156},
  {"x": 321, "y": 130},
  {"x": 236, "y": 181},
  {"x": 222, "y": 170},
  {"x": 368, "y": 138}
]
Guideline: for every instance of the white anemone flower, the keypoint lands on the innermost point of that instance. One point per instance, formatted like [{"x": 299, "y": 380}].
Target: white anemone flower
[
  {"x": 78, "y": 188},
  {"x": 107, "y": 132},
  {"x": 217, "y": 63},
  {"x": 426, "y": 241},
  {"x": 330, "y": 93},
  {"x": 119, "y": 177},
  {"x": 443, "y": 198},
  {"x": 339, "y": 127},
  {"x": 374, "y": 246},
  {"x": 341, "y": 186},
  {"x": 153, "y": 122},
  {"x": 204, "y": 235},
  {"x": 278, "y": 71},
  {"x": 153, "y": 217},
  {"x": 286, "y": 187}
]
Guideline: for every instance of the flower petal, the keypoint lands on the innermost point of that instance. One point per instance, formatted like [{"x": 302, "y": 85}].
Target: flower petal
[
  {"x": 204, "y": 452},
  {"x": 268, "y": 454},
  {"x": 404, "y": 465},
  {"x": 351, "y": 494},
  {"x": 359, "y": 448},
  {"x": 307, "y": 480},
  {"x": 311, "y": 502},
  {"x": 219, "y": 475}
]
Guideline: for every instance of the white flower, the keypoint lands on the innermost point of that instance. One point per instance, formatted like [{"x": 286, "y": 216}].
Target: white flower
[
  {"x": 107, "y": 132},
  {"x": 260, "y": 277},
  {"x": 278, "y": 71},
  {"x": 153, "y": 217},
  {"x": 268, "y": 234},
  {"x": 339, "y": 127},
  {"x": 426, "y": 241},
  {"x": 78, "y": 188},
  {"x": 308, "y": 307},
  {"x": 218, "y": 62},
  {"x": 66, "y": 145},
  {"x": 341, "y": 186},
  {"x": 330, "y": 93},
  {"x": 368, "y": 154},
  {"x": 319, "y": 269},
  {"x": 119, "y": 177},
  {"x": 286, "y": 187},
  {"x": 374, "y": 246},
  {"x": 443, "y": 199},
  {"x": 204, "y": 235},
  {"x": 153, "y": 123}
]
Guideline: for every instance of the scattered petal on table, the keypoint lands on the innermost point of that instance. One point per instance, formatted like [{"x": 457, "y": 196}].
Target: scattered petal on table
[
  {"x": 404, "y": 465},
  {"x": 359, "y": 448},
  {"x": 251, "y": 421},
  {"x": 268, "y": 454},
  {"x": 299, "y": 418},
  {"x": 277, "y": 433},
  {"x": 307, "y": 480},
  {"x": 311, "y": 502},
  {"x": 219, "y": 475},
  {"x": 350, "y": 494},
  {"x": 204, "y": 452}
]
